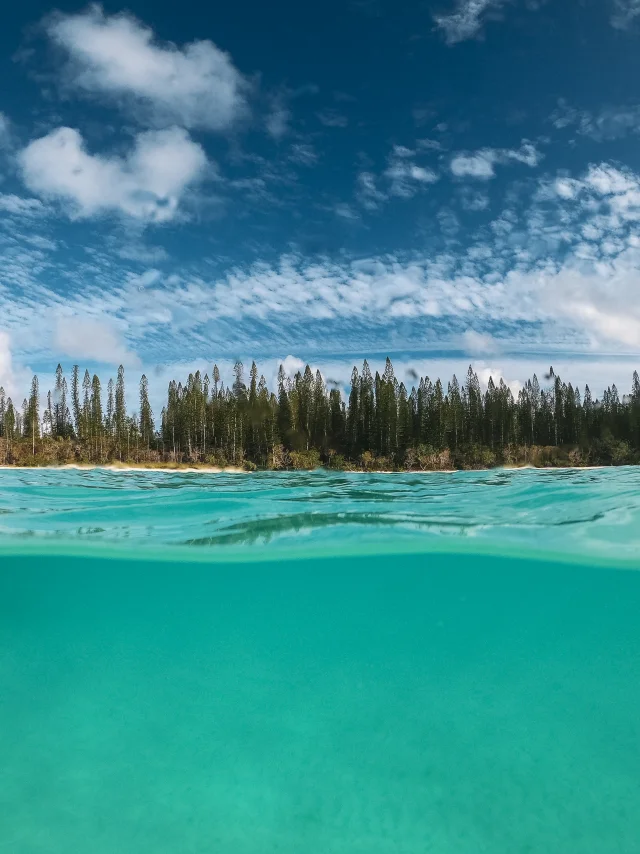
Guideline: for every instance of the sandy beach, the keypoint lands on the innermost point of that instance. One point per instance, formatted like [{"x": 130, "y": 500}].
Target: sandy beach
[
  {"x": 123, "y": 467},
  {"x": 127, "y": 468}
]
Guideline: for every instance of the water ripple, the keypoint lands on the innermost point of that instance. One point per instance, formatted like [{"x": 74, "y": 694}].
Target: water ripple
[{"x": 589, "y": 515}]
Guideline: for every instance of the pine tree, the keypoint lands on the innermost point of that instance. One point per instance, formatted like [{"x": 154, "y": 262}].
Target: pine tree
[
  {"x": 353, "y": 417},
  {"x": 110, "y": 407},
  {"x": 23, "y": 420},
  {"x": 437, "y": 408},
  {"x": 64, "y": 409},
  {"x": 320, "y": 413},
  {"x": 456, "y": 412},
  {"x": 473, "y": 397},
  {"x": 403, "y": 424},
  {"x": 366, "y": 412},
  {"x": 381, "y": 418},
  {"x": 48, "y": 419},
  {"x": 239, "y": 388},
  {"x": 32, "y": 417},
  {"x": 85, "y": 419},
  {"x": 386, "y": 403},
  {"x": 284, "y": 419},
  {"x": 60, "y": 404},
  {"x": 97, "y": 425},
  {"x": 147, "y": 428},
  {"x": 634, "y": 410},
  {"x": 254, "y": 417},
  {"x": 9, "y": 423},
  {"x": 216, "y": 380},
  {"x": 75, "y": 399},
  {"x": 120, "y": 412}
]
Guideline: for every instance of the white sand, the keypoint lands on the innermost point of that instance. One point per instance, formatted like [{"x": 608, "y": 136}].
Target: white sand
[
  {"x": 123, "y": 467},
  {"x": 126, "y": 468}
]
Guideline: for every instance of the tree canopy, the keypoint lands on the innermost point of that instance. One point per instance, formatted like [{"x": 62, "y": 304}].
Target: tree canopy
[{"x": 305, "y": 422}]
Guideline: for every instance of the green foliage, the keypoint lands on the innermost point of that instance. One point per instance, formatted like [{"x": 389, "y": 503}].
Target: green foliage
[
  {"x": 305, "y": 459},
  {"x": 382, "y": 424},
  {"x": 337, "y": 461}
]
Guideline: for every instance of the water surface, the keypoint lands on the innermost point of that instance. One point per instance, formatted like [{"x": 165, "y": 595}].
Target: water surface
[{"x": 320, "y": 663}]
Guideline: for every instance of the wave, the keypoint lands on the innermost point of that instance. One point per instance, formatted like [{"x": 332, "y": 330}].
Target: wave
[{"x": 590, "y": 516}]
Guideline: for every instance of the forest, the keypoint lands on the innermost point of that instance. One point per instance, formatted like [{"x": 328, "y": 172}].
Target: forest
[{"x": 306, "y": 422}]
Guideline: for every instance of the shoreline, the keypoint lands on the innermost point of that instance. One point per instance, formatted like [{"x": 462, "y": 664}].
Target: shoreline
[{"x": 124, "y": 467}]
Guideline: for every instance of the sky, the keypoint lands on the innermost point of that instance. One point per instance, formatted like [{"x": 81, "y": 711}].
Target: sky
[{"x": 441, "y": 182}]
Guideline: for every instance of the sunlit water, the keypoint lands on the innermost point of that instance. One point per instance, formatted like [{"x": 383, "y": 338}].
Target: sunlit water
[{"x": 302, "y": 663}]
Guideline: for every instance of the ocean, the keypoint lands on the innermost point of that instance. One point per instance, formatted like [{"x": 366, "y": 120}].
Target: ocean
[{"x": 320, "y": 663}]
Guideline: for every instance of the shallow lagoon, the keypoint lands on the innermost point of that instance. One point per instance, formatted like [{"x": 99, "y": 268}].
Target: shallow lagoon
[{"x": 422, "y": 700}]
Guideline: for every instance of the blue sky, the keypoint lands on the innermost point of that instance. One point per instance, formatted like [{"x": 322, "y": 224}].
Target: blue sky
[{"x": 444, "y": 182}]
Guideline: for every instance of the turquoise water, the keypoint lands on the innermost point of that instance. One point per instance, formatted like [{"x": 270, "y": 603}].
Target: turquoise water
[{"x": 320, "y": 663}]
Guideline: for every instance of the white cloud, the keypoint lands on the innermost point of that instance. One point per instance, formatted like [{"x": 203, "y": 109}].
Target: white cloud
[
  {"x": 93, "y": 340},
  {"x": 141, "y": 253},
  {"x": 478, "y": 165},
  {"x": 291, "y": 365},
  {"x": 278, "y": 118},
  {"x": 527, "y": 154},
  {"x": 558, "y": 276},
  {"x": 625, "y": 11},
  {"x": 146, "y": 184},
  {"x": 40, "y": 242},
  {"x": 481, "y": 164},
  {"x": 303, "y": 153},
  {"x": 403, "y": 178},
  {"x": 449, "y": 223},
  {"x": 404, "y": 175},
  {"x": 369, "y": 196},
  {"x": 332, "y": 119},
  {"x": 14, "y": 379},
  {"x": 599, "y": 302},
  {"x": 478, "y": 343},
  {"x": 399, "y": 152},
  {"x": 606, "y": 180},
  {"x": 6, "y": 363},
  {"x": 567, "y": 188},
  {"x": 18, "y": 206},
  {"x": 474, "y": 201},
  {"x": 377, "y": 304},
  {"x": 613, "y": 192},
  {"x": 609, "y": 123},
  {"x": 466, "y": 22},
  {"x": 487, "y": 372},
  {"x": 428, "y": 145},
  {"x": 5, "y": 131},
  {"x": 117, "y": 56},
  {"x": 345, "y": 211}
]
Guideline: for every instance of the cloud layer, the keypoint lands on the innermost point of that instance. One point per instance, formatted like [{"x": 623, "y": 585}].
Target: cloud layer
[
  {"x": 91, "y": 339},
  {"x": 481, "y": 164},
  {"x": 117, "y": 56},
  {"x": 625, "y": 12},
  {"x": 146, "y": 184},
  {"x": 467, "y": 20},
  {"x": 547, "y": 264}
]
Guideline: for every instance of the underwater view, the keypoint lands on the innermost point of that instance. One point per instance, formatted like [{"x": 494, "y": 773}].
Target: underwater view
[{"x": 318, "y": 662}]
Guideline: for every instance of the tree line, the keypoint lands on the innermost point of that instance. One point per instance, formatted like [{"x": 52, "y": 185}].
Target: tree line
[{"x": 306, "y": 422}]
